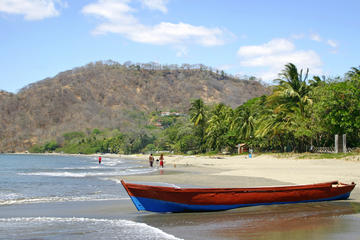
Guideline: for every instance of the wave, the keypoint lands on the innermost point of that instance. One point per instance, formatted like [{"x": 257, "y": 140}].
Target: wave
[
  {"x": 117, "y": 180},
  {"x": 87, "y": 174},
  {"x": 80, "y": 228},
  {"x": 80, "y": 168},
  {"x": 59, "y": 174},
  {"x": 52, "y": 199},
  {"x": 9, "y": 196},
  {"x": 109, "y": 161}
]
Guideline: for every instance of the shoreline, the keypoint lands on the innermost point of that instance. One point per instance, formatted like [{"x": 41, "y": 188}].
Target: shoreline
[{"x": 242, "y": 171}]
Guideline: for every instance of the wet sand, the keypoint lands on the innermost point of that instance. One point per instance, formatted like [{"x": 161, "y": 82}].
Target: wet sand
[{"x": 324, "y": 220}]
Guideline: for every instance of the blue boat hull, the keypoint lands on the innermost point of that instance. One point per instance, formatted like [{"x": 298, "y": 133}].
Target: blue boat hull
[{"x": 160, "y": 206}]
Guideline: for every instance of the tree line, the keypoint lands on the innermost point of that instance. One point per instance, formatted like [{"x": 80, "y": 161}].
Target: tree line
[{"x": 298, "y": 114}]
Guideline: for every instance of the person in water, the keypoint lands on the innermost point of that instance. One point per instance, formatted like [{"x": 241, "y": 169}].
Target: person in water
[
  {"x": 99, "y": 159},
  {"x": 161, "y": 160},
  {"x": 151, "y": 160}
]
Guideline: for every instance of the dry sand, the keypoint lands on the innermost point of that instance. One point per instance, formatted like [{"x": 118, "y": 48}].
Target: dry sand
[{"x": 242, "y": 171}]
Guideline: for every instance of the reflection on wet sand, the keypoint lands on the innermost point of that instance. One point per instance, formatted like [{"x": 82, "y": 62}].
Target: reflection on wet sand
[{"x": 292, "y": 221}]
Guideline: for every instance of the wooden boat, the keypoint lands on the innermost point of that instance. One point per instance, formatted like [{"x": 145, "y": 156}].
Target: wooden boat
[{"x": 171, "y": 199}]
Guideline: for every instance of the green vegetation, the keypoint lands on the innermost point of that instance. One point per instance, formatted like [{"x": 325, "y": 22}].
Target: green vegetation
[
  {"x": 47, "y": 147},
  {"x": 351, "y": 155},
  {"x": 299, "y": 113}
]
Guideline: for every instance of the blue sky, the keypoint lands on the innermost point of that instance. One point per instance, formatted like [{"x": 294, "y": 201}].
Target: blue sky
[{"x": 40, "y": 38}]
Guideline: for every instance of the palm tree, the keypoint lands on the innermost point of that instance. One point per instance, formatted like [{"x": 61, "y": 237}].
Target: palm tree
[
  {"x": 217, "y": 131},
  {"x": 292, "y": 90},
  {"x": 245, "y": 123},
  {"x": 288, "y": 107},
  {"x": 317, "y": 81},
  {"x": 353, "y": 72},
  {"x": 197, "y": 112},
  {"x": 198, "y": 118}
]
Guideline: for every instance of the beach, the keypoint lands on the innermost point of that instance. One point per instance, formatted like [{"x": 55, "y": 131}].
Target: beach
[{"x": 260, "y": 170}]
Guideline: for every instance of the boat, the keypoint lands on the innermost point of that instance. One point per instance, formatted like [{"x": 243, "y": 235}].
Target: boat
[{"x": 172, "y": 199}]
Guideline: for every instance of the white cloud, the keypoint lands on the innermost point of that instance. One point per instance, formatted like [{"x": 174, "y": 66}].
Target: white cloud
[
  {"x": 32, "y": 9},
  {"x": 119, "y": 17},
  {"x": 315, "y": 37},
  {"x": 332, "y": 43},
  {"x": 277, "y": 45},
  {"x": 279, "y": 60},
  {"x": 273, "y": 55},
  {"x": 155, "y": 5}
]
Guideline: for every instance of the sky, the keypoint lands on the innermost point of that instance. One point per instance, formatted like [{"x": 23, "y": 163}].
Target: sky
[{"x": 40, "y": 38}]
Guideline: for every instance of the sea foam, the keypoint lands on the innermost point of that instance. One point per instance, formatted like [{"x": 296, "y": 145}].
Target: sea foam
[
  {"x": 78, "y": 228},
  {"x": 87, "y": 173},
  {"x": 54, "y": 199}
]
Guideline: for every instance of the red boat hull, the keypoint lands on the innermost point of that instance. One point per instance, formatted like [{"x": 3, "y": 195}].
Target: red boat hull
[{"x": 168, "y": 199}]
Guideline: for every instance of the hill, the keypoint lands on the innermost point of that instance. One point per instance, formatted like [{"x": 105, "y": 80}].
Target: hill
[{"x": 111, "y": 95}]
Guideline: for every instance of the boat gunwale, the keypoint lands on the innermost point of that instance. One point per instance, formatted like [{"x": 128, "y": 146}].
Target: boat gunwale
[{"x": 244, "y": 190}]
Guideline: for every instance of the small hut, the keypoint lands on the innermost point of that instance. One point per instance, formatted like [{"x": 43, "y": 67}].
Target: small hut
[{"x": 242, "y": 148}]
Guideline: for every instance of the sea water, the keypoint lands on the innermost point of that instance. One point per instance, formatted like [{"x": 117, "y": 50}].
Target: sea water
[
  {"x": 46, "y": 178},
  {"x": 36, "y": 189}
]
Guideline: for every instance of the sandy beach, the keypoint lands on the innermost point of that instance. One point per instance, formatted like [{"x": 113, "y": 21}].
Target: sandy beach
[{"x": 242, "y": 171}]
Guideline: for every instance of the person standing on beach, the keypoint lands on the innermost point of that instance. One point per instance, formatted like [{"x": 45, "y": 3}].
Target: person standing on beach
[
  {"x": 161, "y": 160},
  {"x": 99, "y": 159},
  {"x": 151, "y": 160}
]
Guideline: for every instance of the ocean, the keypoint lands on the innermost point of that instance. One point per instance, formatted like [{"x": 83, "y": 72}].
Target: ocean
[
  {"x": 48, "y": 178},
  {"x": 61, "y": 197},
  {"x": 73, "y": 197}
]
